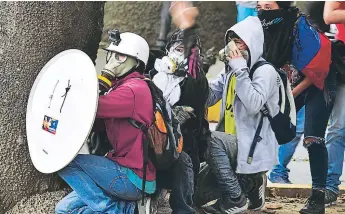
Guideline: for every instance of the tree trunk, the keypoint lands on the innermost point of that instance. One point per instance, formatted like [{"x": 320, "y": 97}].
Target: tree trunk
[{"x": 31, "y": 33}]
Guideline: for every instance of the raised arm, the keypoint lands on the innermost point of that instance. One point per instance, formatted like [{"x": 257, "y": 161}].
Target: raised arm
[{"x": 333, "y": 14}]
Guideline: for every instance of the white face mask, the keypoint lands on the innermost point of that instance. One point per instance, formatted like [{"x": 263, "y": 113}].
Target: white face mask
[
  {"x": 118, "y": 64},
  {"x": 176, "y": 52}
]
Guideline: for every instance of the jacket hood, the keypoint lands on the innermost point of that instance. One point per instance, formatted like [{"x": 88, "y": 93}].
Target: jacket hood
[{"x": 251, "y": 32}]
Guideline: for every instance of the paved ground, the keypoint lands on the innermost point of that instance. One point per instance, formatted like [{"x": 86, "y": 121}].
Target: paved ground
[
  {"x": 300, "y": 172},
  {"x": 273, "y": 205},
  {"x": 45, "y": 204}
]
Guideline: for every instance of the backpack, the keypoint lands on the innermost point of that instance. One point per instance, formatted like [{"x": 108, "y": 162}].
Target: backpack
[
  {"x": 284, "y": 123},
  {"x": 163, "y": 139}
]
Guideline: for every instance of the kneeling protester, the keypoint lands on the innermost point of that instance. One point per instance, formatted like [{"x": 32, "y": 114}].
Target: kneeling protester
[{"x": 248, "y": 87}]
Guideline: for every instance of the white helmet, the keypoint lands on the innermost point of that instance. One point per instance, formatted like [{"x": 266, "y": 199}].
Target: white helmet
[{"x": 132, "y": 45}]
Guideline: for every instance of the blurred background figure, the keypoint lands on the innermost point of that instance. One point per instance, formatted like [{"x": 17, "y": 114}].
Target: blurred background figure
[
  {"x": 245, "y": 9},
  {"x": 314, "y": 10},
  {"x": 207, "y": 59},
  {"x": 165, "y": 24}
]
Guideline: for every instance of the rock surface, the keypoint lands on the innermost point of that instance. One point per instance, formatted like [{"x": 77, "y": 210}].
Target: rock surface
[
  {"x": 31, "y": 33},
  {"x": 38, "y": 204}
]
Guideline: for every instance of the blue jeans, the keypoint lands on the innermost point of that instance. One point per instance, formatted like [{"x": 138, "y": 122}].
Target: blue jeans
[
  {"x": 335, "y": 141},
  {"x": 244, "y": 12},
  {"x": 286, "y": 151},
  {"x": 100, "y": 186},
  {"x": 221, "y": 157}
]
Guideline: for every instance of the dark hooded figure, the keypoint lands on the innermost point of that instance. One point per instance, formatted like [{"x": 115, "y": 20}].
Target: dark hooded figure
[
  {"x": 293, "y": 44},
  {"x": 180, "y": 76}
]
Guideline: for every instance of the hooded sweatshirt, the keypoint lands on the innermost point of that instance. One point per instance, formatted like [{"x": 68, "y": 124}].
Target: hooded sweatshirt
[{"x": 251, "y": 95}]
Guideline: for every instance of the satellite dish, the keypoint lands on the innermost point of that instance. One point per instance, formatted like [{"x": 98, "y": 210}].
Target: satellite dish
[{"x": 61, "y": 110}]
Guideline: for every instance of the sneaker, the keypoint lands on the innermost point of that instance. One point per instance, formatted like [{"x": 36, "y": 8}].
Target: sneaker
[
  {"x": 151, "y": 203},
  {"x": 274, "y": 178},
  {"x": 330, "y": 197},
  {"x": 315, "y": 203},
  {"x": 256, "y": 196},
  {"x": 146, "y": 208},
  {"x": 227, "y": 206}
]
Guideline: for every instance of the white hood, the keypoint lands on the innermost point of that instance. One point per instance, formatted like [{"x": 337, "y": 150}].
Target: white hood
[{"x": 251, "y": 32}]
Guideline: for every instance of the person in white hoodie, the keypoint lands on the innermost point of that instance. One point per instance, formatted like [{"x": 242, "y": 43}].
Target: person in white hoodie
[{"x": 242, "y": 99}]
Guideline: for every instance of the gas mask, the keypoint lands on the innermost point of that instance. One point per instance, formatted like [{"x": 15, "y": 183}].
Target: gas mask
[
  {"x": 166, "y": 64},
  {"x": 117, "y": 65},
  {"x": 176, "y": 53}
]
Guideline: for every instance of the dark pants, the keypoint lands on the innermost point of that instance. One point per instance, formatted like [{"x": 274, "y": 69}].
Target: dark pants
[
  {"x": 218, "y": 179},
  {"x": 180, "y": 180},
  {"x": 191, "y": 148},
  {"x": 317, "y": 112}
]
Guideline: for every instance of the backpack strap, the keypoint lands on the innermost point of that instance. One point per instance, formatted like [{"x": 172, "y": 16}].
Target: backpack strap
[
  {"x": 143, "y": 128},
  {"x": 256, "y": 66},
  {"x": 264, "y": 112},
  {"x": 256, "y": 139}
]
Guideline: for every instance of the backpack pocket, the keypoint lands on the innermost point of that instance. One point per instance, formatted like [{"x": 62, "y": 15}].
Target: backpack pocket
[{"x": 283, "y": 129}]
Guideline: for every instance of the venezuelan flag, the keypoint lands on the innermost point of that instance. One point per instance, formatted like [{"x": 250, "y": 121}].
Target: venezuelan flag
[{"x": 311, "y": 52}]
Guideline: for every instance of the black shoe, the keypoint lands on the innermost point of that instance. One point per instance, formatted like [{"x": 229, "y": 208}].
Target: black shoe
[
  {"x": 330, "y": 197},
  {"x": 227, "y": 206},
  {"x": 315, "y": 203},
  {"x": 256, "y": 196}
]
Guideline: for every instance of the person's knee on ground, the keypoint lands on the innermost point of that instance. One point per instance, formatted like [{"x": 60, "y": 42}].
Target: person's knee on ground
[{"x": 222, "y": 164}]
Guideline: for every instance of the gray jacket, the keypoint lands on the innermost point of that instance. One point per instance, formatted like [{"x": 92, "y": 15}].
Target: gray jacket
[{"x": 251, "y": 95}]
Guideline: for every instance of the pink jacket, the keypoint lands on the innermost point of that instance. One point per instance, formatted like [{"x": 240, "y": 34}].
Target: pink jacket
[{"x": 130, "y": 98}]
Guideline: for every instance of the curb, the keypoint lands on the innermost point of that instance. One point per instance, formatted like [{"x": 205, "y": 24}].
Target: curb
[{"x": 292, "y": 190}]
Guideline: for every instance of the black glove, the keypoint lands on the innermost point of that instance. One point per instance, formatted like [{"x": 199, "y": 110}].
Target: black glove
[
  {"x": 210, "y": 56},
  {"x": 209, "y": 59},
  {"x": 183, "y": 113}
]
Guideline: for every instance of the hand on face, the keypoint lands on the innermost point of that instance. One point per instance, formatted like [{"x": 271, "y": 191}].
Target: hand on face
[
  {"x": 234, "y": 54},
  {"x": 232, "y": 51}
]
